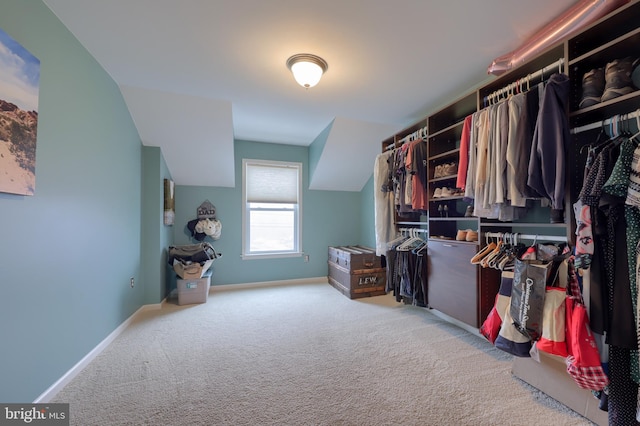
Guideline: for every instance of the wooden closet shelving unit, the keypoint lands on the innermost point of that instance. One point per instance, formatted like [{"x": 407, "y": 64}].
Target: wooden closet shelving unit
[{"x": 466, "y": 292}]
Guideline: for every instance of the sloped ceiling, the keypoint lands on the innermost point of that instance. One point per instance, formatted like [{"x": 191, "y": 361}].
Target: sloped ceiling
[
  {"x": 197, "y": 74},
  {"x": 190, "y": 130}
]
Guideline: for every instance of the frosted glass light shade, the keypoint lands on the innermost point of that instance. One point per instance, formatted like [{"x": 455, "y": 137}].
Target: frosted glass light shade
[{"x": 307, "y": 69}]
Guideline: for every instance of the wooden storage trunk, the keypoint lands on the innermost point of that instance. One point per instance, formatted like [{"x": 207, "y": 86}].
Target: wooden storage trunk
[{"x": 356, "y": 271}]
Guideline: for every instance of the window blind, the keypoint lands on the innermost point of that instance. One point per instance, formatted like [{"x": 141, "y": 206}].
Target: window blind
[{"x": 271, "y": 184}]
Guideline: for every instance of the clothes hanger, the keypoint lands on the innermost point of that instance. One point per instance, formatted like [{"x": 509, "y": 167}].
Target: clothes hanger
[
  {"x": 413, "y": 242},
  {"x": 396, "y": 240},
  {"x": 420, "y": 249},
  {"x": 531, "y": 252},
  {"x": 502, "y": 254},
  {"x": 598, "y": 141},
  {"x": 488, "y": 248},
  {"x": 485, "y": 261}
]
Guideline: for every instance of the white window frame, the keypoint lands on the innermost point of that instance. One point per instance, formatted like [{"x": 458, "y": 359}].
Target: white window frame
[{"x": 297, "y": 251}]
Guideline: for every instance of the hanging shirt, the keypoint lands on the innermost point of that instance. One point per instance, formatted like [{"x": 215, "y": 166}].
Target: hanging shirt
[
  {"x": 470, "y": 185},
  {"x": 463, "y": 160},
  {"x": 417, "y": 168},
  {"x": 550, "y": 141},
  {"x": 514, "y": 145},
  {"x": 384, "y": 202}
]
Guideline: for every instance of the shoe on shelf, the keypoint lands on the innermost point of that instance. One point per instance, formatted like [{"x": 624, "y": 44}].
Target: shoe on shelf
[
  {"x": 617, "y": 77},
  {"x": 462, "y": 234},
  {"x": 592, "y": 87},
  {"x": 469, "y": 212},
  {"x": 437, "y": 193},
  {"x": 437, "y": 172},
  {"x": 450, "y": 169},
  {"x": 635, "y": 74},
  {"x": 557, "y": 216},
  {"x": 472, "y": 236},
  {"x": 446, "y": 192}
]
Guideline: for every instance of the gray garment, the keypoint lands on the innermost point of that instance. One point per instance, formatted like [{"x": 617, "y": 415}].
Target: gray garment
[
  {"x": 516, "y": 103},
  {"x": 550, "y": 141},
  {"x": 502, "y": 135},
  {"x": 481, "y": 164}
]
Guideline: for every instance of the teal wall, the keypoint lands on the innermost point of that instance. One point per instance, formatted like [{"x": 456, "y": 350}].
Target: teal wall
[
  {"x": 156, "y": 236},
  {"x": 95, "y": 221},
  {"x": 328, "y": 218},
  {"x": 67, "y": 252},
  {"x": 367, "y": 215}
]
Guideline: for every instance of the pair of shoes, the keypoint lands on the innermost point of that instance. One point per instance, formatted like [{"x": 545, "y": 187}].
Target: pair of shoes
[
  {"x": 616, "y": 79},
  {"x": 617, "y": 76},
  {"x": 442, "y": 192},
  {"x": 443, "y": 170},
  {"x": 449, "y": 169},
  {"x": 467, "y": 235},
  {"x": 443, "y": 210}
]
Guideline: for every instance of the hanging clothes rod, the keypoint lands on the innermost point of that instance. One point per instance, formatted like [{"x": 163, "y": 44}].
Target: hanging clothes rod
[
  {"x": 418, "y": 134},
  {"x": 532, "y": 237},
  {"x": 607, "y": 122},
  {"x": 415, "y": 230},
  {"x": 537, "y": 74}
]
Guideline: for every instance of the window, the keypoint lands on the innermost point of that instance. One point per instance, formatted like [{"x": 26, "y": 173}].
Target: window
[{"x": 272, "y": 197}]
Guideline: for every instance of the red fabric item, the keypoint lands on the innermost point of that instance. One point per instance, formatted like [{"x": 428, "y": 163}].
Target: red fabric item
[
  {"x": 583, "y": 362},
  {"x": 463, "y": 162},
  {"x": 491, "y": 326}
]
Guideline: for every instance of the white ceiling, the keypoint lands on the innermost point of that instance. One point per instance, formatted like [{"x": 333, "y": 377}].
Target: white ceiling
[{"x": 196, "y": 74}]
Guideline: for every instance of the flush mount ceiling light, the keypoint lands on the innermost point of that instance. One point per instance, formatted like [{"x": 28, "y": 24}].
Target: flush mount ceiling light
[{"x": 307, "y": 69}]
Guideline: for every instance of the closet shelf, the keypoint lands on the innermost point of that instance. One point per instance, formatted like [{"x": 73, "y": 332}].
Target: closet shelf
[
  {"x": 518, "y": 224},
  {"x": 445, "y": 154},
  {"x": 453, "y": 240},
  {"x": 443, "y": 178},
  {"x": 598, "y": 112},
  {"x": 453, "y": 219},
  {"x": 447, "y": 129},
  {"x": 627, "y": 42},
  {"x": 457, "y": 197}
]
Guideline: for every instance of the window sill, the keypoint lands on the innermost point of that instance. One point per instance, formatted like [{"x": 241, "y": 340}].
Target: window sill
[{"x": 270, "y": 256}]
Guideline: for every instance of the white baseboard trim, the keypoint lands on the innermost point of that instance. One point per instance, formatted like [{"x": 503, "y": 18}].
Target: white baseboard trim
[
  {"x": 52, "y": 391},
  {"x": 227, "y": 287}
]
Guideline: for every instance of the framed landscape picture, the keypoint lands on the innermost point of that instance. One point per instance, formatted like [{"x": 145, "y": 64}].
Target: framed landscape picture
[{"x": 19, "y": 88}]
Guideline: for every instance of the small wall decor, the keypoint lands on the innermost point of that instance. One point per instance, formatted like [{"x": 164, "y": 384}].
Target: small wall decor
[
  {"x": 19, "y": 88},
  {"x": 206, "y": 224},
  {"x": 206, "y": 210},
  {"x": 169, "y": 202}
]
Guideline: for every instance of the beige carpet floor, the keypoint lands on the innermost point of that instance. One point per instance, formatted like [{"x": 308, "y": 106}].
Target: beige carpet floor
[{"x": 303, "y": 355}]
